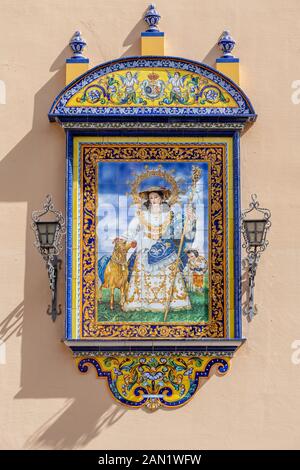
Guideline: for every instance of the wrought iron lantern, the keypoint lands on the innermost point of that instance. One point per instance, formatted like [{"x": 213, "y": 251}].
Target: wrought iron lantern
[
  {"x": 48, "y": 225},
  {"x": 254, "y": 230}
]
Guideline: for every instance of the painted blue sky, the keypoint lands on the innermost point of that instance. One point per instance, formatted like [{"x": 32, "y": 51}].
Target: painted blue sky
[{"x": 116, "y": 208}]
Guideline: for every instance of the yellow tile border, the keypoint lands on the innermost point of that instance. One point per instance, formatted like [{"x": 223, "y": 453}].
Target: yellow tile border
[{"x": 136, "y": 140}]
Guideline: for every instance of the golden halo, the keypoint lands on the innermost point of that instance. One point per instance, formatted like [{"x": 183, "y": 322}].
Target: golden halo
[{"x": 171, "y": 194}]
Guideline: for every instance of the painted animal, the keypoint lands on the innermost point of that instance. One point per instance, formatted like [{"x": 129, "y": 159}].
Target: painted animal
[{"x": 113, "y": 271}]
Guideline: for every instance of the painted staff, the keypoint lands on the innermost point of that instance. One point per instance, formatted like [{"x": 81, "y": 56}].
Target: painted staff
[{"x": 196, "y": 173}]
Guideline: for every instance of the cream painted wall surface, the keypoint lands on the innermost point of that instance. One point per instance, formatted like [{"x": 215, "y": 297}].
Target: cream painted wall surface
[{"x": 45, "y": 403}]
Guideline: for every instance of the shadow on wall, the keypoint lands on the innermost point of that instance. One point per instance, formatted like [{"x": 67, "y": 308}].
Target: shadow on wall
[
  {"x": 133, "y": 40},
  {"x": 12, "y": 324},
  {"x": 81, "y": 419},
  {"x": 212, "y": 56},
  {"x": 34, "y": 167}
]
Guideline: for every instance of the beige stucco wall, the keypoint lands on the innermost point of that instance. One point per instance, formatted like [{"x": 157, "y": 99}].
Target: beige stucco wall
[{"x": 45, "y": 402}]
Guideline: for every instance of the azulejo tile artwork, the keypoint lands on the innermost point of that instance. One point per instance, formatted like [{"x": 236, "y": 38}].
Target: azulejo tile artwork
[
  {"x": 156, "y": 87},
  {"x": 150, "y": 245},
  {"x": 153, "y": 201},
  {"x": 188, "y": 284}
]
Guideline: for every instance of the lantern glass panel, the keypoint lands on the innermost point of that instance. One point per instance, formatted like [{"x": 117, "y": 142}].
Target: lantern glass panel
[
  {"x": 42, "y": 233},
  {"x": 250, "y": 226},
  {"x": 255, "y": 230},
  {"x": 260, "y": 225},
  {"x": 260, "y": 231},
  {"x": 51, "y": 232},
  {"x": 47, "y": 232},
  {"x": 251, "y": 237}
]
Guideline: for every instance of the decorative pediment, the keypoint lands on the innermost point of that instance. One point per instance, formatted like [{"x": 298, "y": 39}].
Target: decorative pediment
[{"x": 152, "y": 86}]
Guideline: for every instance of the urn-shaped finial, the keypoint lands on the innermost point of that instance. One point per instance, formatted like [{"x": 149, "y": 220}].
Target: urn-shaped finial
[
  {"x": 226, "y": 44},
  {"x": 152, "y": 18},
  {"x": 77, "y": 44}
]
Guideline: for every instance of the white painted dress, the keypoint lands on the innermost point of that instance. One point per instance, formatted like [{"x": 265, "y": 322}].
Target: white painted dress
[{"x": 154, "y": 267}]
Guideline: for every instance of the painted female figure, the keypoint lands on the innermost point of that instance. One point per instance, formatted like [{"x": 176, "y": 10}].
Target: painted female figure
[{"x": 153, "y": 267}]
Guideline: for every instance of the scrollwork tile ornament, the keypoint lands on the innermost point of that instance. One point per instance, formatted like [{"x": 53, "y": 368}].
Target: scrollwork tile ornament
[
  {"x": 153, "y": 380},
  {"x": 96, "y": 93}
]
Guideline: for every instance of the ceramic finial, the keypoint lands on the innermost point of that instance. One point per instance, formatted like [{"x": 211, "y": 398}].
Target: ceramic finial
[
  {"x": 226, "y": 44},
  {"x": 77, "y": 44},
  {"x": 152, "y": 18}
]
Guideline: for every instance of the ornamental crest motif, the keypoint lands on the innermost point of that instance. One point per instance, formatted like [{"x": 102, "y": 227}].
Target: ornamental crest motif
[{"x": 153, "y": 87}]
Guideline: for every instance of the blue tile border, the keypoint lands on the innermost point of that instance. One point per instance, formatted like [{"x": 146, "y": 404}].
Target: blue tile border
[
  {"x": 69, "y": 207},
  {"x": 237, "y": 236},
  {"x": 152, "y": 34},
  {"x": 70, "y": 135},
  {"x": 227, "y": 60},
  {"x": 79, "y": 60}
]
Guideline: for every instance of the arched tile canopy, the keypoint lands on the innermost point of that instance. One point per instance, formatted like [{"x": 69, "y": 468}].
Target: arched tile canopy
[{"x": 152, "y": 86}]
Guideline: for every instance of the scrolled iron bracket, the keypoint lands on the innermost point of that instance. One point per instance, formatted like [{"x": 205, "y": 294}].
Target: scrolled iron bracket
[
  {"x": 49, "y": 245},
  {"x": 254, "y": 247}
]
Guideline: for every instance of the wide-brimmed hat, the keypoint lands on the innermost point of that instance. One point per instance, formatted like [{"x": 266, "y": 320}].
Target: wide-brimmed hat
[{"x": 155, "y": 189}]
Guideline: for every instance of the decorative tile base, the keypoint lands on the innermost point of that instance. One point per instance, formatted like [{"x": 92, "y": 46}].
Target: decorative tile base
[{"x": 153, "y": 379}]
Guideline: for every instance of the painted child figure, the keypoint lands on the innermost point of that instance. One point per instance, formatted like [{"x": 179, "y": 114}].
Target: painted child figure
[{"x": 194, "y": 271}]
